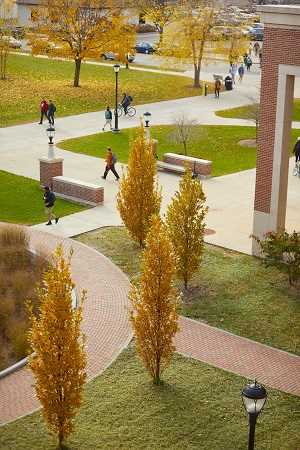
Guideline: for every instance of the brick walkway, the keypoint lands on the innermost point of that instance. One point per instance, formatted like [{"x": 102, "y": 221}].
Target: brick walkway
[
  {"x": 108, "y": 332},
  {"x": 105, "y": 321}
]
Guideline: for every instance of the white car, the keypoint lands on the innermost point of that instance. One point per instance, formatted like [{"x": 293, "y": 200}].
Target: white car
[{"x": 14, "y": 43}]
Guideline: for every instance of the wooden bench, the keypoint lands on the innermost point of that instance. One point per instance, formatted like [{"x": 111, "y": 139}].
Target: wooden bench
[
  {"x": 78, "y": 191},
  {"x": 170, "y": 167},
  {"x": 201, "y": 167}
]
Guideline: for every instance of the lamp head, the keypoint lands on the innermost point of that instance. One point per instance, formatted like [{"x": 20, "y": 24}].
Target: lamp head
[
  {"x": 147, "y": 116},
  {"x": 51, "y": 133},
  {"x": 116, "y": 68},
  {"x": 254, "y": 397}
]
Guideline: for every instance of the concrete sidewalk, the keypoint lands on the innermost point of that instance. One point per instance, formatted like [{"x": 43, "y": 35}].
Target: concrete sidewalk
[{"x": 230, "y": 198}]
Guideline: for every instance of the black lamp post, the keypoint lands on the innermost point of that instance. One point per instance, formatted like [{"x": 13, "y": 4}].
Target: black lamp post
[
  {"x": 254, "y": 398},
  {"x": 116, "y": 128},
  {"x": 51, "y": 134},
  {"x": 147, "y": 116}
]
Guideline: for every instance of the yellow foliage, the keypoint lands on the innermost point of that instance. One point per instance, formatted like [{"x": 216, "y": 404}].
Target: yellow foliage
[
  {"x": 154, "y": 316},
  {"x": 77, "y": 29},
  {"x": 139, "y": 198},
  {"x": 189, "y": 34},
  {"x": 160, "y": 14},
  {"x": 59, "y": 359},
  {"x": 6, "y": 22},
  {"x": 234, "y": 47},
  {"x": 185, "y": 221}
]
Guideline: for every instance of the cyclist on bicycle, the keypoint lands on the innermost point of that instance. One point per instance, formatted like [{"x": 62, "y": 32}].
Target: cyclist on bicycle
[{"x": 126, "y": 100}]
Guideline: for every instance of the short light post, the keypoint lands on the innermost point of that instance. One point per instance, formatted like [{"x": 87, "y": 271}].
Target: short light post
[
  {"x": 116, "y": 128},
  {"x": 51, "y": 134},
  {"x": 147, "y": 116},
  {"x": 254, "y": 397}
]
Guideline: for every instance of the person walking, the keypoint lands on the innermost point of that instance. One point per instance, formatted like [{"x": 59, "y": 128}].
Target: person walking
[
  {"x": 241, "y": 72},
  {"x": 44, "y": 110},
  {"x": 218, "y": 85},
  {"x": 49, "y": 200},
  {"x": 248, "y": 63},
  {"x": 297, "y": 150},
  {"x": 250, "y": 49},
  {"x": 51, "y": 112},
  {"x": 256, "y": 48},
  {"x": 108, "y": 118},
  {"x": 260, "y": 57},
  {"x": 110, "y": 164}
]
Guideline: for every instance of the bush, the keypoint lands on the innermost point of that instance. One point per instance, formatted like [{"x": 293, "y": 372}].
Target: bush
[
  {"x": 282, "y": 250},
  {"x": 20, "y": 270}
]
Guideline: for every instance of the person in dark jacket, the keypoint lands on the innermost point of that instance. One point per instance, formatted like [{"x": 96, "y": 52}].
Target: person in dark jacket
[
  {"x": 126, "y": 100},
  {"x": 51, "y": 112},
  {"x": 49, "y": 200},
  {"x": 44, "y": 110},
  {"x": 108, "y": 118},
  {"x": 297, "y": 150}
]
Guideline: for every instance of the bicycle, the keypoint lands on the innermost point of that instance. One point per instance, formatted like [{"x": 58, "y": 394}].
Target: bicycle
[
  {"x": 131, "y": 111},
  {"x": 296, "y": 171}
]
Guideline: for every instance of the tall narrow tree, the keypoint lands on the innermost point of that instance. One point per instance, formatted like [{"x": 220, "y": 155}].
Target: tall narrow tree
[
  {"x": 139, "y": 197},
  {"x": 154, "y": 301},
  {"x": 59, "y": 359},
  {"x": 185, "y": 221}
]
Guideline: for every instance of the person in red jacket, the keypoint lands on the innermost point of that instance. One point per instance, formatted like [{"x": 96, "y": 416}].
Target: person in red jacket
[{"x": 44, "y": 110}]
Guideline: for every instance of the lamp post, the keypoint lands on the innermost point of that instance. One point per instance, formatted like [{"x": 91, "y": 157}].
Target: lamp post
[
  {"x": 116, "y": 128},
  {"x": 147, "y": 116},
  {"x": 51, "y": 134},
  {"x": 254, "y": 397}
]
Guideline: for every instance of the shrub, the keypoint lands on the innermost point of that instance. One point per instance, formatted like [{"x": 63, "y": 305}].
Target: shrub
[{"x": 282, "y": 250}]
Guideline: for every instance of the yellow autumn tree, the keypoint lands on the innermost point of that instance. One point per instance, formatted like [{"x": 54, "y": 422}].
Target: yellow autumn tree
[
  {"x": 139, "y": 197},
  {"x": 189, "y": 34},
  {"x": 154, "y": 302},
  {"x": 185, "y": 222},
  {"x": 123, "y": 39},
  {"x": 59, "y": 361},
  {"x": 76, "y": 29},
  {"x": 235, "y": 46},
  {"x": 6, "y": 23},
  {"x": 160, "y": 14}
]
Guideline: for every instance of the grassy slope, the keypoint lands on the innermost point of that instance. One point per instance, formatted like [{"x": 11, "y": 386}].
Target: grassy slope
[
  {"x": 242, "y": 112},
  {"x": 32, "y": 78},
  {"x": 21, "y": 201},
  {"x": 230, "y": 291},
  {"x": 216, "y": 143},
  {"x": 198, "y": 407}
]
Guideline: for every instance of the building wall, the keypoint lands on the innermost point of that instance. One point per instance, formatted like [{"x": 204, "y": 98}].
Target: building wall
[{"x": 281, "y": 46}]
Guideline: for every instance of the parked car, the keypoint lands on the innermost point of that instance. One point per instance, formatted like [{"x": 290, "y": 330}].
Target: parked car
[
  {"x": 18, "y": 32},
  {"x": 14, "y": 43},
  {"x": 111, "y": 56},
  {"x": 144, "y": 47},
  {"x": 256, "y": 34}
]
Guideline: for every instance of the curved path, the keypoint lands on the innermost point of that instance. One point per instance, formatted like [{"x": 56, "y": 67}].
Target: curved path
[
  {"x": 106, "y": 326},
  {"x": 105, "y": 320}
]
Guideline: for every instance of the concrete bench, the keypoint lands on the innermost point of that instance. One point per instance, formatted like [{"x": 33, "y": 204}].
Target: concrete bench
[
  {"x": 199, "y": 166},
  {"x": 78, "y": 191},
  {"x": 170, "y": 167}
]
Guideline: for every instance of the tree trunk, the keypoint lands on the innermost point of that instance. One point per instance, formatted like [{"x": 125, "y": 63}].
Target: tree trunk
[
  {"x": 196, "y": 76},
  {"x": 185, "y": 150},
  {"x": 77, "y": 72}
]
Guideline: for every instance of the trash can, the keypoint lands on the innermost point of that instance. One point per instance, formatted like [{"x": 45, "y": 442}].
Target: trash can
[{"x": 228, "y": 83}]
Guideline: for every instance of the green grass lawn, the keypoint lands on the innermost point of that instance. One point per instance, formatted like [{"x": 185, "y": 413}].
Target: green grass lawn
[
  {"x": 241, "y": 112},
  {"x": 230, "y": 291},
  {"x": 216, "y": 143},
  {"x": 31, "y": 78},
  {"x": 21, "y": 201},
  {"x": 198, "y": 407}
]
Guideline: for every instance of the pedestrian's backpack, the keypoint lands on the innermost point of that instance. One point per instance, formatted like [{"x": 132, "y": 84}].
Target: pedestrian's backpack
[{"x": 114, "y": 158}]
